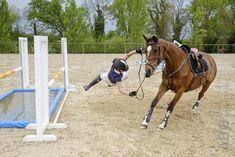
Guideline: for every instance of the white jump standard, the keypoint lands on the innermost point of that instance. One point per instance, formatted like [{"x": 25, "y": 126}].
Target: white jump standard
[
  {"x": 23, "y": 104},
  {"x": 24, "y": 68},
  {"x": 42, "y": 87}
]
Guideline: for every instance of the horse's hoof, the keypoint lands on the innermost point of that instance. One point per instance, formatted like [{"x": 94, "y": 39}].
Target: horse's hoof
[
  {"x": 196, "y": 104},
  {"x": 144, "y": 126},
  {"x": 162, "y": 126},
  {"x": 195, "y": 110},
  {"x": 86, "y": 88},
  {"x": 158, "y": 128}
]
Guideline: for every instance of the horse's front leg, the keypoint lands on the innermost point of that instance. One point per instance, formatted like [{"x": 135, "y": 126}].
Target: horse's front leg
[
  {"x": 162, "y": 90},
  {"x": 170, "y": 109}
]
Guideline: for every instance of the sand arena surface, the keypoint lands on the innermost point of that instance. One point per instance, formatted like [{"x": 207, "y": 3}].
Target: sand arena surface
[{"x": 104, "y": 123}]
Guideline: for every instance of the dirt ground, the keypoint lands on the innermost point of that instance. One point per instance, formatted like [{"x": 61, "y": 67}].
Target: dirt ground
[{"x": 104, "y": 123}]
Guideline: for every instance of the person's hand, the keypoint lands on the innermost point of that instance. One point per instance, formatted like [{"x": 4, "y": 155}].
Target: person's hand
[
  {"x": 139, "y": 50},
  {"x": 133, "y": 93}
]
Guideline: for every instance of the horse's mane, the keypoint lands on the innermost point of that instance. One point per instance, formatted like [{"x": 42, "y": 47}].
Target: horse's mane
[{"x": 171, "y": 45}]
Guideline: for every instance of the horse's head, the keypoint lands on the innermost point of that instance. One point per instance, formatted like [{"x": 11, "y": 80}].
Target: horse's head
[{"x": 154, "y": 55}]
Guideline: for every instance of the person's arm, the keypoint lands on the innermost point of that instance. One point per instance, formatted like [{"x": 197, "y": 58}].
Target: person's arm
[
  {"x": 139, "y": 51},
  {"x": 128, "y": 55},
  {"x": 122, "y": 90}
]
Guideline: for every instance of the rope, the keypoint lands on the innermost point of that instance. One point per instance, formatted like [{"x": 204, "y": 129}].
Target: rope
[{"x": 141, "y": 82}]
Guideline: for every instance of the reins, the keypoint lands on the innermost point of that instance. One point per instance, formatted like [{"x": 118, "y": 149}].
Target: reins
[
  {"x": 141, "y": 82},
  {"x": 178, "y": 67}
]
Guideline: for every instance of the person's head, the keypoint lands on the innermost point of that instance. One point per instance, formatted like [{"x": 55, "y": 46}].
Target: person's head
[{"x": 120, "y": 65}]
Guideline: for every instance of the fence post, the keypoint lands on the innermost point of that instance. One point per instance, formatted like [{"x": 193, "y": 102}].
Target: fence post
[
  {"x": 16, "y": 48},
  {"x": 104, "y": 48},
  {"x": 83, "y": 49}
]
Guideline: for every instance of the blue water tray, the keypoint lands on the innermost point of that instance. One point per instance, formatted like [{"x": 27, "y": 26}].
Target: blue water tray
[{"x": 17, "y": 107}]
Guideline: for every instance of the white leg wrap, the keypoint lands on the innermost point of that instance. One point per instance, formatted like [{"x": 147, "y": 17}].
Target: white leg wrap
[
  {"x": 144, "y": 124},
  {"x": 167, "y": 114},
  {"x": 163, "y": 123}
]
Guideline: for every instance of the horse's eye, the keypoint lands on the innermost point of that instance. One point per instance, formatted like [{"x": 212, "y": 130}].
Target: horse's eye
[{"x": 155, "y": 49}]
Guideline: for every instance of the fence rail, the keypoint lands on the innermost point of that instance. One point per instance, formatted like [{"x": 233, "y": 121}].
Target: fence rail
[{"x": 112, "y": 47}]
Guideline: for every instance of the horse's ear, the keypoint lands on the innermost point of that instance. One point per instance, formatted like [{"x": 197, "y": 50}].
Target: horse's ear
[
  {"x": 145, "y": 38},
  {"x": 155, "y": 39}
]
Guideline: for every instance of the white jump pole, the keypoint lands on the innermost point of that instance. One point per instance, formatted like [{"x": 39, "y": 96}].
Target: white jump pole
[
  {"x": 56, "y": 77},
  {"x": 23, "y": 49}
]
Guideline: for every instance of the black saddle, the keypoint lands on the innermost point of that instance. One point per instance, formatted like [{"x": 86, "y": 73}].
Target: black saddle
[{"x": 203, "y": 68}]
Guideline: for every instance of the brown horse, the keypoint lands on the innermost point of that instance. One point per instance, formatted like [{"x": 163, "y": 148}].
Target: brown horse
[{"x": 176, "y": 76}]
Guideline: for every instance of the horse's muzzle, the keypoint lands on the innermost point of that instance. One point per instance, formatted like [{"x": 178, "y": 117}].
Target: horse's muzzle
[{"x": 148, "y": 73}]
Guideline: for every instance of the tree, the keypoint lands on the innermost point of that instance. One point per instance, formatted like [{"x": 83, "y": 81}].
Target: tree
[
  {"x": 99, "y": 24},
  {"x": 33, "y": 24},
  {"x": 61, "y": 16},
  {"x": 117, "y": 9},
  {"x": 159, "y": 12},
  {"x": 77, "y": 28},
  {"x": 231, "y": 38},
  {"x": 179, "y": 19},
  {"x": 48, "y": 12},
  {"x": 130, "y": 17},
  {"x": 212, "y": 18},
  {"x": 7, "y": 18}
]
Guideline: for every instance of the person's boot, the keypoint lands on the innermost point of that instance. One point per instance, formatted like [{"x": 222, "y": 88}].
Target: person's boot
[{"x": 95, "y": 81}]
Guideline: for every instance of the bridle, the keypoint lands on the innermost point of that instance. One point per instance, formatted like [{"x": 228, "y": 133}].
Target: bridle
[{"x": 161, "y": 57}]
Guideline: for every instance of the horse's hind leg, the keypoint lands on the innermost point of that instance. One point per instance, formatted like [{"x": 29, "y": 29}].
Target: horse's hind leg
[
  {"x": 200, "y": 95},
  {"x": 162, "y": 90}
]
